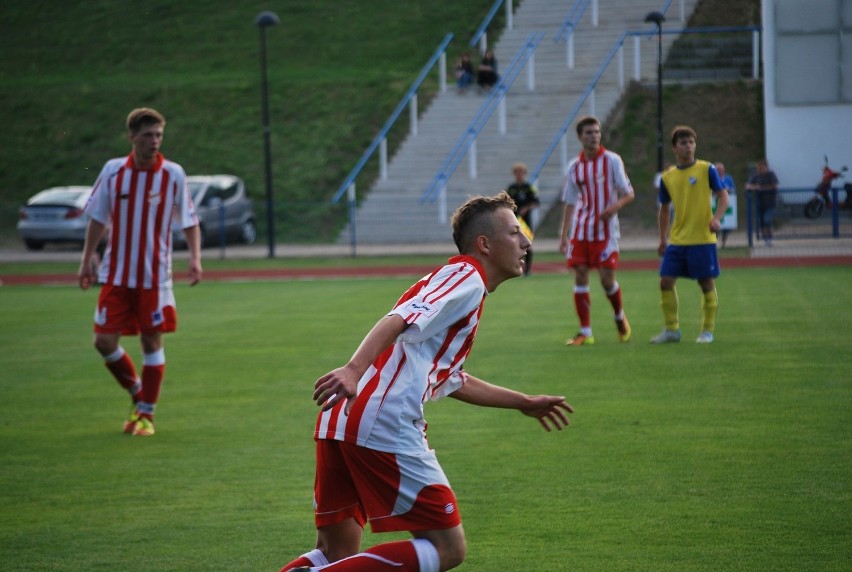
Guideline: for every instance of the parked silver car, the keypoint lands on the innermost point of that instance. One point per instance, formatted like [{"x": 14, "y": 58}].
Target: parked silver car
[
  {"x": 54, "y": 215},
  {"x": 217, "y": 198}
]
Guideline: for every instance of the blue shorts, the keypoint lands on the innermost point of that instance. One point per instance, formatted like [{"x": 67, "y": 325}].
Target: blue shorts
[{"x": 697, "y": 261}]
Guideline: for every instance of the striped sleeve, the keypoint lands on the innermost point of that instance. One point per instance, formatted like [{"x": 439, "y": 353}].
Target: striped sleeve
[{"x": 449, "y": 295}]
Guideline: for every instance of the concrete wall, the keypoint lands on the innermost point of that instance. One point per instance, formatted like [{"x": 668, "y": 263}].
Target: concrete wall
[{"x": 797, "y": 137}]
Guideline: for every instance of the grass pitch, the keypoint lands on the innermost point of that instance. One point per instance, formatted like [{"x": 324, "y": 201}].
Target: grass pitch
[{"x": 732, "y": 456}]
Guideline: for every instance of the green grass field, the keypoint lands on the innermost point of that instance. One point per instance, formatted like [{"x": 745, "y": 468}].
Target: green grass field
[{"x": 733, "y": 456}]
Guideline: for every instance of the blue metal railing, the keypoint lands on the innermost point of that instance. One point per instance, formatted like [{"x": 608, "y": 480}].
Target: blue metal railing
[
  {"x": 476, "y": 125},
  {"x": 571, "y": 20},
  {"x": 569, "y": 120},
  {"x": 563, "y": 129},
  {"x": 406, "y": 99},
  {"x": 480, "y": 31}
]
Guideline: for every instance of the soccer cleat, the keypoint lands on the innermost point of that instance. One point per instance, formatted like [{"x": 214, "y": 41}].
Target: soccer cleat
[
  {"x": 624, "y": 331},
  {"x": 132, "y": 420},
  {"x": 580, "y": 340},
  {"x": 706, "y": 337},
  {"x": 667, "y": 337},
  {"x": 144, "y": 427}
]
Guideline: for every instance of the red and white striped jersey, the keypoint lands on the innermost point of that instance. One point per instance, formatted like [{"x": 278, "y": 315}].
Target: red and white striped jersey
[
  {"x": 591, "y": 186},
  {"x": 138, "y": 205},
  {"x": 425, "y": 363}
]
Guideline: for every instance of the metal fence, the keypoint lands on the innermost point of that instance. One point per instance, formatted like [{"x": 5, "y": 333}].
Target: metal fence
[{"x": 318, "y": 223}]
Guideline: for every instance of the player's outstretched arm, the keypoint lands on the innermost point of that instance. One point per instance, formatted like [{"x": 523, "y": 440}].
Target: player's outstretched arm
[
  {"x": 550, "y": 410},
  {"x": 342, "y": 382}
]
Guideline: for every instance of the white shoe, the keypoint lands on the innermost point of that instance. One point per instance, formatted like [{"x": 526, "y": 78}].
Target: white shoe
[
  {"x": 667, "y": 337},
  {"x": 705, "y": 338}
]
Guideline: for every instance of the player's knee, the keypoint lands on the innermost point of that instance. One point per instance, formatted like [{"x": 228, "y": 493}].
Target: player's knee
[
  {"x": 105, "y": 345},
  {"x": 455, "y": 556},
  {"x": 452, "y": 552}
]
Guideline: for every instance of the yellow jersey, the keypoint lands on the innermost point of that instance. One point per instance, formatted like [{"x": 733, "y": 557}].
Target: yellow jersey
[{"x": 690, "y": 191}]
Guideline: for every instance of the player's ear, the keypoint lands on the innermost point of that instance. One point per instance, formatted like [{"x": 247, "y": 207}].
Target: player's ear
[{"x": 482, "y": 244}]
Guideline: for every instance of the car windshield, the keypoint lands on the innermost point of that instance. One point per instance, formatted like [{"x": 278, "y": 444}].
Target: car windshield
[
  {"x": 195, "y": 190},
  {"x": 65, "y": 197}
]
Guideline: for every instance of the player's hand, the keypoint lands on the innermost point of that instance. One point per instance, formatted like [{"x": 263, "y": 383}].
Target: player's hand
[
  {"x": 334, "y": 386},
  {"x": 195, "y": 273},
  {"x": 715, "y": 225},
  {"x": 550, "y": 410},
  {"x": 661, "y": 250},
  {"x": 87, "y": 273}
]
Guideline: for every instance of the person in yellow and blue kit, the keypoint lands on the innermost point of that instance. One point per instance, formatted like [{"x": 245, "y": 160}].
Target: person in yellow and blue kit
[{"x": 688, "y": 242}]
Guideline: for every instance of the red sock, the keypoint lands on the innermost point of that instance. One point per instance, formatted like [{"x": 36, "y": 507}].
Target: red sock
[
  {"x": 615, "y": 300},
  {"x": 152, "y": 379},
  {"x": 124, "y": 373},
  {"x": 389, "y": 557},
  {"x": 583, "y": 304}
]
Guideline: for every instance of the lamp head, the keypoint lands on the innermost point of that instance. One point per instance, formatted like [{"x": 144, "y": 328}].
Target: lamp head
[
  {"x": 266, "y": 19},
  {"x": 655, "y": 17}
]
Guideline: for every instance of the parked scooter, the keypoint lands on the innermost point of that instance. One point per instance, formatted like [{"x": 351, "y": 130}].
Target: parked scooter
[{"x": 815, "y": 207}]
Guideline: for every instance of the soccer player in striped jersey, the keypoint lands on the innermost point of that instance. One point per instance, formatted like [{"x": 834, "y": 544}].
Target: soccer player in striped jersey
[
  {"x": 133, "y": 202},
  {"x": 596, "y": 188},
  {"x": 374, "y": 463},
  {"x": 688, "y": 248}
]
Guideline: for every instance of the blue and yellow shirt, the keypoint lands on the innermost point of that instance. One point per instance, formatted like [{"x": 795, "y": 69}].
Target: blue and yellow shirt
[{"x": 689, "y": 190}]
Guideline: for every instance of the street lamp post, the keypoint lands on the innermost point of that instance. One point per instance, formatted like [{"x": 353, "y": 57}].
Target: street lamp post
[
  {"x": 658, "y": 19},
  {"x": 263, "y": 21}
]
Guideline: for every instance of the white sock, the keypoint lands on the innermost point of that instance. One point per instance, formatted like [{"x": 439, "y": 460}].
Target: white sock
[
  {"x": 316, "y": 557},
  {"x": 427, "y": 555},
  {"x": 115, "y": 356}
]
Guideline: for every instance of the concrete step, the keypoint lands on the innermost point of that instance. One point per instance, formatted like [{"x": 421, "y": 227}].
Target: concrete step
[{"x": 392, "y": 210}]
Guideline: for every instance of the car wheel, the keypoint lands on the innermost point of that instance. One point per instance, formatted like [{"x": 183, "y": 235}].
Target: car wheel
[
  {"x": 248, "y": 232},
  {"x": 34, "y": 244}
]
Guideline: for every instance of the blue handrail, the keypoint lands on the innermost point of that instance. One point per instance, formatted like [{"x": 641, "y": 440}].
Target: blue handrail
[
  {"x": 703, "y": 30},
  {"x": 485, "y": 23},
  {"x": 483, "y": 115},
  {"x": 536, "y": 171},
  {"x": 574, "y": 110},
  {"x": 406, "y": 99},
  {"x": 572, "y": 19}
]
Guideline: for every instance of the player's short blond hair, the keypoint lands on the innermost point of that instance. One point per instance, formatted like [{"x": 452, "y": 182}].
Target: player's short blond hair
[
  {"x": 475, "y": 218},
  {"x": 520, "y": 165}
]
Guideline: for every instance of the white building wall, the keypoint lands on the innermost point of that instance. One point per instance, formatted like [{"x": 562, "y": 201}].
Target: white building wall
[{"x": 797, "y": 137}]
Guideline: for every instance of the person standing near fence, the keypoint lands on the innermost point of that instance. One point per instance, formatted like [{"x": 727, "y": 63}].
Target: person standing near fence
[
  {"x": 134, "y": 200},
  {"x": 525, "y": 196},
  {"x": 728, "y": 183},
  {"x": 688, "y": 248},
  {"x": 765, "y": 185},
  {"x": 595, "y": 189}
]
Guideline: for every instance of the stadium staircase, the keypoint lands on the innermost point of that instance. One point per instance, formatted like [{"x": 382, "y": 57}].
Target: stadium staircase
[{"x": 392, "y": 212}]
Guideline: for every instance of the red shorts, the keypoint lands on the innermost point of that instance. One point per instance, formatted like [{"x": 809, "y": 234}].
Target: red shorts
[
  {"x": 128, "y": 311},
  {"x": 393, "y": 492},
  {"x": 592, "y": 253}
]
